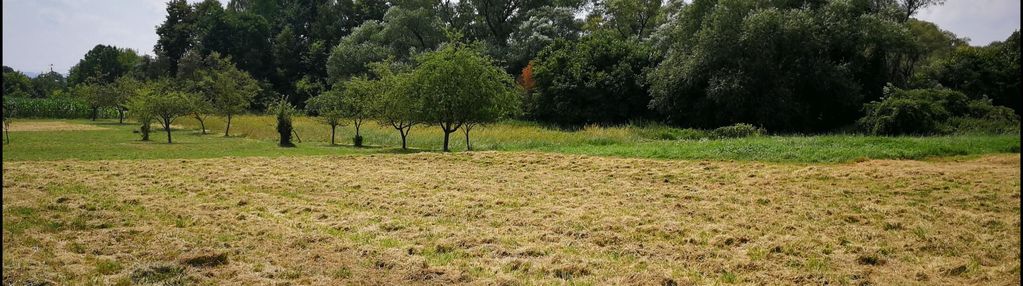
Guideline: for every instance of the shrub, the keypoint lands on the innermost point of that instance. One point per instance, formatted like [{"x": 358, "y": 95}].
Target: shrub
[
  {"x": 984, "y": 118},
  {"x": 283, "y": 111},
  {"x": 668, "y": 133},
  {"x": 934, "y": 111},
  {"x": 738, "y": 130}
]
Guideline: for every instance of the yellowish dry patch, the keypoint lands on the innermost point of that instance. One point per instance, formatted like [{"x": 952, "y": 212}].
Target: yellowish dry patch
[
  {"x": 52, "y": 126},
  {"x": 511, "y": 218}
]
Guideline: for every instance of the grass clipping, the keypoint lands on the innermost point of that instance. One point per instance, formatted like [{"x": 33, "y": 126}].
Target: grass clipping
[{"x": 510, "y": 218}]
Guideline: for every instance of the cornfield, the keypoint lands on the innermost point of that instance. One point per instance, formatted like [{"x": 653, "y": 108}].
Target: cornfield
[{"x": 66, "y": 108}]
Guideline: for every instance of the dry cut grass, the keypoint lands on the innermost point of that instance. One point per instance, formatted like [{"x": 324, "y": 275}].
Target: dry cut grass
[
  {"x": 510, "y": 218},
  {"x": 33, "y": 125}
]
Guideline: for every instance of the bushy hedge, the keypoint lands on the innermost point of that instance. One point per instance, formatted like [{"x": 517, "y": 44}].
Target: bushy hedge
[
  {"x": 740, "y": 130},
  {"x": 935, "y": 111},
  {"x": 63, "y": 108}
]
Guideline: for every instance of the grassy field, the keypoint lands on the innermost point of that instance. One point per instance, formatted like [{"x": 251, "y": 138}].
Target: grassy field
[
  {"x": 510, "y": 218},
  {"x": 86, "y": 203},
  {"x": 254, "y": 135}
]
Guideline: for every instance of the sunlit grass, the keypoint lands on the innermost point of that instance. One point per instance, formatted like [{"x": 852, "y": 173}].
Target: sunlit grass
[{"x": 256, "y": 136}]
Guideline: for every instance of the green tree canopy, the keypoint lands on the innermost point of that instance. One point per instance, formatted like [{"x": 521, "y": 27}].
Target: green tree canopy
[
  {"x": 228, "y": 89},
  {"x": 17, "y": 84},
  {"x": 456, "y": 85},
  {"x": 329, "y": 108},
  {"x": 992, "y": 71},
  {"x": 598, "y": 79},
  {"x": 103, "y": 64},
  {"x": 47, "y": 84},
  {"x": 781, "y": 66}
]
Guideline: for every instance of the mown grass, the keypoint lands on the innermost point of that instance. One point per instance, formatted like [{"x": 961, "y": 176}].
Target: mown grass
[
  {"x": 255, "y": 135},
  {"x": 503, "y": 218}
]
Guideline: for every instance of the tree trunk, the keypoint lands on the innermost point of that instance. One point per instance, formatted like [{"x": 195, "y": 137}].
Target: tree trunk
[
  {"x": 357, "y": 125},
  {"x": 166, "y": 127},
  {"x": 446, "y": 133},
  {"x": 95, "y": 113},
  {"x": 145, "y": 132},
  {"x": 227, "y": 130},
  {"x": 202, "y": 124},
  {"x": 332, "y": 128},
  {"x": 466, "y": 128},
  {"x": 404, "y": 134},
  {"x": 358, "y": 136},
  {"x": 120, "y": 116}
]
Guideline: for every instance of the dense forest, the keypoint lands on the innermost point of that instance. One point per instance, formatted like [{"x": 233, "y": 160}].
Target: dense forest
[{"x": 782, "y": 65}]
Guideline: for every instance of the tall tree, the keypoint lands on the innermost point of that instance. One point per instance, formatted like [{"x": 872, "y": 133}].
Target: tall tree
[
  {"x": 412, "y": 29},
  {"x": 991, "y": 71},
  {"x": 911, "y": 7},
  {"x": 352, "y": 56},
  {"x": 16, "y": 84},
  {"x": 103, "y": 64},
  {"x": 598, "y": 79},
  {"x": 787, "y": 67},
  {"x": 541, "y": 28},
  {"x": 47, "y": 84},
  {"x": 175, "y": 33},
  {"x": 630, "y": 18}
]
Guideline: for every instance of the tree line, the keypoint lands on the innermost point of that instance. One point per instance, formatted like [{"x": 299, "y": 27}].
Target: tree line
[{"x": 785, "y": 65}]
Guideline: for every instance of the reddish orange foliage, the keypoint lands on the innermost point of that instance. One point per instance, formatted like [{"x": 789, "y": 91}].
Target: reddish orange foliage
[{"x": 526, "y": 79}]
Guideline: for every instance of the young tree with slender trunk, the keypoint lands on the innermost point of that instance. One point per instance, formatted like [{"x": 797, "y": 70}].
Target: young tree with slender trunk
[
  {"x": 168, "y": 107},
  {"x": 200, "y": 108},
  {"x": 139, "y": 104},
  {"x": 329, "y": 108},
  {"x": 457, "y": 85},
  {"x": 230, "y": 90},
  {"x": 357, "y": 103},
  {"x": 92, "y": 95},
  {"x": 120, "y": 92},
  {"x": 159, "y": 101},
  {"x": 396, "y": 103}
]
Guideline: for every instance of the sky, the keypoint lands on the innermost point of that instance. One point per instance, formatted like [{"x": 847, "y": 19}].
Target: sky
[{"x": 38, "y": 33}]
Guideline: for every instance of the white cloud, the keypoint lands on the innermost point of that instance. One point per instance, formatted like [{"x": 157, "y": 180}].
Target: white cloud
[
  {"x": 983, "y": 21},
  {"x": 37, "y": 33}
]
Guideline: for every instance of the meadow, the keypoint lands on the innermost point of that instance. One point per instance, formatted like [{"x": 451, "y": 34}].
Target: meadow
[
  {"x": 255, "y": 135},
  {"x": 86, "y": 203}
]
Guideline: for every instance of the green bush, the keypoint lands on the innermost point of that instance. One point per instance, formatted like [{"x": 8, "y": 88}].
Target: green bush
[
  {"x": 935, "y": 111},
  {"x": 662, "y": 132},
  {"x": 739, "y": 130},
  {"x": 54, "y": 107}
]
